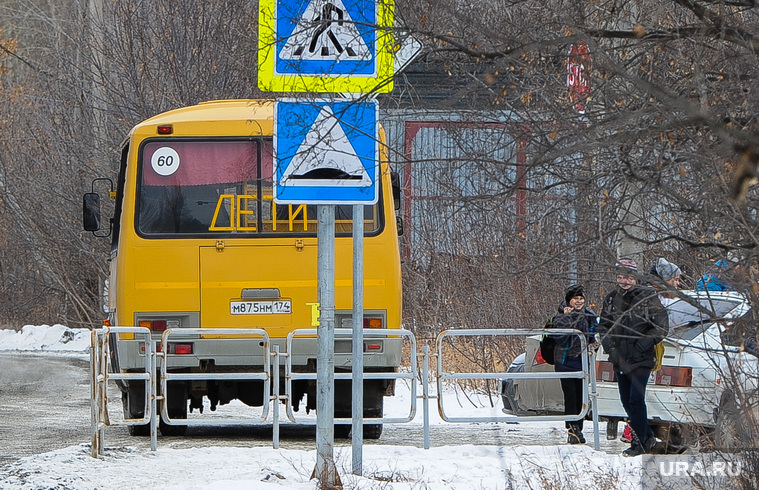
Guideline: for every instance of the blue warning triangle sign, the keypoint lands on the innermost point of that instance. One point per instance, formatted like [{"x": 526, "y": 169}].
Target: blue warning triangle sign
[
  {"x": 326, "y": 152},
  {"x": 326, "y": 157}
]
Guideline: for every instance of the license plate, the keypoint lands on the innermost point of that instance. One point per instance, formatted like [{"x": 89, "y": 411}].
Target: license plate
[{"x": 278, "y": 307}]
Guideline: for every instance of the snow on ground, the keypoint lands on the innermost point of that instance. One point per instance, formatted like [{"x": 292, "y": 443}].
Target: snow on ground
[
  {"x": 464, "y": 467},
  {"x": 44, "y": 338}
]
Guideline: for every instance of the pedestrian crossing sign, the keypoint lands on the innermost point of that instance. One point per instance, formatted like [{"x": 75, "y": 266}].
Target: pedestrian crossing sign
[
  {"x": 343, "y": 46},
  {"x": 326, "y": 152}
]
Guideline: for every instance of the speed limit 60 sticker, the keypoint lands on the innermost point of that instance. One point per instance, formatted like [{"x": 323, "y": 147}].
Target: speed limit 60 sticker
[{"x": 165, "y": 161}]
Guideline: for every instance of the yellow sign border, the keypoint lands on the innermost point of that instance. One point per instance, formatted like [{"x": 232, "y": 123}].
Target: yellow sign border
[{"x": 269, "y": 82}]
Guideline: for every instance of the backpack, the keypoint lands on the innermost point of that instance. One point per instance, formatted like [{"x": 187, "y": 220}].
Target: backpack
[
  {"x": 548, "y": 344},
  {"x": 659, "y": 350}
]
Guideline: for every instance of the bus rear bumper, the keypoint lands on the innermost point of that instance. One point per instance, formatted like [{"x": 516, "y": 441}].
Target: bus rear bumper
[{"x": 248, "y": 354}]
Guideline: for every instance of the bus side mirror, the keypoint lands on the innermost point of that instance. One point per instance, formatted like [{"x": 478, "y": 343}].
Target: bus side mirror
[
  {"x": 399, "y": 225},
  {"x": 395, "y": 183},
  {"x": 91, "y": 211}
]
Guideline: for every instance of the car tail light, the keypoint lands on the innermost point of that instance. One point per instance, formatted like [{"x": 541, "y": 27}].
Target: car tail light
[
  {"x": 674, "y": 376},
  {"x": 605, "y": 371},
  {"x": 372, "y": 322}
]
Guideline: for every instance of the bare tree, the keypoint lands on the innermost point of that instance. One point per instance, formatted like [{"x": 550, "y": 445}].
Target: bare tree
[
  {"x": 79, "y": 74},
  {"x": 510, "y": 193},
  {"x": 661, "y": 161},
  {"x": 664, "y": 142}
]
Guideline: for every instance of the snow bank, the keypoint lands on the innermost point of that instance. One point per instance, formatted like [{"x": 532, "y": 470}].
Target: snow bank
[
  {"x": 251, "y": 465},
  {"x": 463, "y": 467},
  {"x": 56, "y": 338}
]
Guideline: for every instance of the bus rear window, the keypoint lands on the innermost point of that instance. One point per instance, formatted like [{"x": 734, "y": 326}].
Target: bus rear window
[{"x": 221, "y": 187}]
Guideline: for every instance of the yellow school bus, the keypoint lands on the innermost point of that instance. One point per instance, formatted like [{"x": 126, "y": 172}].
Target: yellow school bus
[{"x": 198, "y": 242}]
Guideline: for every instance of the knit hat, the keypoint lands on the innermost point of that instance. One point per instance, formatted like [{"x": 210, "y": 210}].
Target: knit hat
[
  {"x": 628, "y": 264},
  {"x": 573, "y": 291},
  {"x": 667, "y": 270}
]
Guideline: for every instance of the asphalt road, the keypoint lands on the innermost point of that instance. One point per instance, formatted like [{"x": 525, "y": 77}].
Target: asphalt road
[{"x": 44, "y": 406}]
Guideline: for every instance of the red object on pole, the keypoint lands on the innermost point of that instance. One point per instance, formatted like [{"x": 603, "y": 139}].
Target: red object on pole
[{"x": 578, "y": 75}]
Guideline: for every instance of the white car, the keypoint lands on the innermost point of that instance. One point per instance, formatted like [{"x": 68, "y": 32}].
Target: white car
[{"x": 705, "y": 375}]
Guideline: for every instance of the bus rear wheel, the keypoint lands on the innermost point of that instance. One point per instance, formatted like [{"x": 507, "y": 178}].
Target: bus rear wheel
[
  {"x": 176, "y": 400},
  {"x": 133, "y": 401},
  {"x": 372, "y": 431},
  {"x": 373, "y": 409}
]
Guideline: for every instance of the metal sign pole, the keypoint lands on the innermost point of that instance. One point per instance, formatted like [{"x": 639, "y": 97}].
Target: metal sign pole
[
  {"x": 325, "y": 470},
  {"x": 357, "y": 368}
]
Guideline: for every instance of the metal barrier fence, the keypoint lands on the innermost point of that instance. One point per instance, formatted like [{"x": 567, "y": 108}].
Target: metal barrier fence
[
  {"x": 588, "y": 374},
  {"x": 264, "y": 375},
  {"x": 101, "y": 374},
  {"x": 346, "y": 333}
]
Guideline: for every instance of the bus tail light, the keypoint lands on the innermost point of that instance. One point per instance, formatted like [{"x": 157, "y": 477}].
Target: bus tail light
[
  {"x": 372, "y": 322},
  {"x": 345, "y": 320},
  {"x": 159, "y": 325},
  {"x": 181, "y": 348},
  {"x": 605, "y": 371},
  {"x": 165, "y": 129},
  {"x": 178, "y": 349},
  {"x": 368, "y": 347},
  {"x": 151, "y": 324},
  {"x": 674, "y": 376}
]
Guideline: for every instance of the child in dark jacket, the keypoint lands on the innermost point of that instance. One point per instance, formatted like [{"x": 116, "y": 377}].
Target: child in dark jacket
[{"x": 568, "y": 354}]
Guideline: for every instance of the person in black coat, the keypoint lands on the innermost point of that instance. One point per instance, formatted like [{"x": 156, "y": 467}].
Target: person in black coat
[
  {"x": 632, "y": 322},
  {"x": 568, "y": 354}
]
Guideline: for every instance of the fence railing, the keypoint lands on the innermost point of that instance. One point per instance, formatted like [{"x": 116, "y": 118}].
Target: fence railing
[
  {"x": 101, "y": 374},
  {"x": 345, "y": 333},
  {"x": 587, "y": 374},
  {"x": 232, "y": 334},
  {"x": 156, "y": 369}
]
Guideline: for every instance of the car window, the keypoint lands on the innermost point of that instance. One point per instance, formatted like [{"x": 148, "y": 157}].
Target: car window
[
  {"x": 689, "y": 331},
  {"x": 732, "y": 333}
]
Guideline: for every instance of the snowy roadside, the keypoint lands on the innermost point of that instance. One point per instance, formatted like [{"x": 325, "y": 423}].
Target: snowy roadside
[
  {"x": 250, "y": 465},
  {"x": 46, "y": 339}
]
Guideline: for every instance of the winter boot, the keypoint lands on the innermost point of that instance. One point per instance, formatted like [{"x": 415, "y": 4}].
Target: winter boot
[
  {"x": 642, "y": 447},
  {"x": 635, "y": 449},
  {"x": 650, "y": 443},
  {"x": 574, "y": 435}
]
